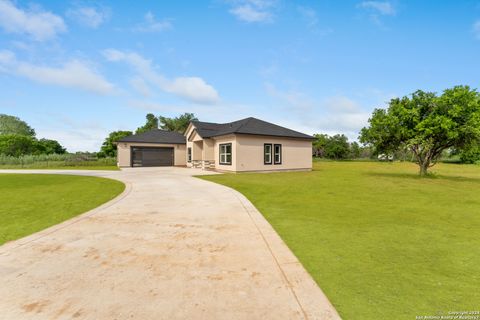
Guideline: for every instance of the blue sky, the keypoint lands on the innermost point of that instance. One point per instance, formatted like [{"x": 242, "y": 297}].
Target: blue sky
[{"x": 76, "y": 70}]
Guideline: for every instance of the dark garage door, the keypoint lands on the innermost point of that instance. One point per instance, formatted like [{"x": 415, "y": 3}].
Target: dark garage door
[{"x": 152, "y": 157}]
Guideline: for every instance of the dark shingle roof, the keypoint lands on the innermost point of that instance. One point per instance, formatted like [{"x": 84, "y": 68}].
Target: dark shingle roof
[
  {"x": 246, "y": 126},
  {"x": 156, "y": 136}
]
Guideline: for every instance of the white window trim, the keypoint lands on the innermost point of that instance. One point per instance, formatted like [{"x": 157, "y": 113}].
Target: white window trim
[
  {"x": 223, "y": 154},
  {"x": 275, "y": 153},
  {"x": 269, "y": 153}
]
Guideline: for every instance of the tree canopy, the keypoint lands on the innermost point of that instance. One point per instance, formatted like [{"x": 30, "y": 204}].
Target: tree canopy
[
  {"x": 151, "y": 123},
  {"x": 17, "y": 145},
  {"x": 319, "y": 144},
  {"x": 13, "y": 125},
  {"x": 109, "y": 148},
  {"x": 48, "y": 146},
  {"x": 426, "y": 124},
  {"x": 335, "y": 147},
  {"x": 17, "y": 138},
  {"x": 471, "y": 154},
  {"x": 178, "y": 124}
]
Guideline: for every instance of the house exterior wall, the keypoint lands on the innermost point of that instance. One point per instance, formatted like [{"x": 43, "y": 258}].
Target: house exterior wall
[
  {"x": 209, "y": 150},
  {"x": 216, "y": 152},
  {"x": 197, "y": 150},
  {"x": 249, "y": 155},
  {"x": 124, "y": 152}
]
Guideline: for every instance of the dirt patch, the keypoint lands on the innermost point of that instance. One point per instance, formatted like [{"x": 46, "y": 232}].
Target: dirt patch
[{"x": 36, "y": 307}]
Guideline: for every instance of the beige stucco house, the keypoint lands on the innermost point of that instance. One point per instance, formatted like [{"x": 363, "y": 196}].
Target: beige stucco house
[{"x": 246, "y": 145}]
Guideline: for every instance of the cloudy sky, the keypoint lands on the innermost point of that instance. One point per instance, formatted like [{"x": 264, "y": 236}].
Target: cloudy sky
[{"x": 76, "y": 70}]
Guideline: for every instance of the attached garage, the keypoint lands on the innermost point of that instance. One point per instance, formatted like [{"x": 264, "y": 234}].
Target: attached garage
[
  {"x": 154, "y": 148},
  {"x": 152, "y": 156}
]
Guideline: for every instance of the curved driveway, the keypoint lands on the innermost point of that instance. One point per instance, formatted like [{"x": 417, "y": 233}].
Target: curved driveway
[{"x": 170, "y": 247}]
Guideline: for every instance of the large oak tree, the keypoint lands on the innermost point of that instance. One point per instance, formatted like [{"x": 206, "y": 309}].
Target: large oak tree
[{"x": 427, "y": 124}]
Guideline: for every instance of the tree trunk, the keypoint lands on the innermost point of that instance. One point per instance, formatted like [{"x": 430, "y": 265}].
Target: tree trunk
[
  {"x": 424, "y": 167},
  {"x": 423, "y": 160}
]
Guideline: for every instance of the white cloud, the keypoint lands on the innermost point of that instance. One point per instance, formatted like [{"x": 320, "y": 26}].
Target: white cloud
[
  {"x": 40, "y": 25},
  {"x": 292, "y": 98},
  {"x": 6, "y": 57},
  {"x": 336, "y": 114},
  {"x": 341, "y": 103},
  {"x": 476, "y": 29},
  {"x": 75, "y": 139},
  {"x": 253, "y": 10},
  {"x": 72, "y": 74},
  {"x": 249, "y": 14},
  {"x": 342, "y": 122},
  {"x": 76, "y": 133},
  {"x": 89, "y": 16},
  {"x": 193, "y": 89},
  {"x": 221, "y": 112},
  {"x": 385, "y": 8},
  {"x": 150, "y": 24},
  {"x": 341, "y": 114},
  {"x": 141, "y": 86}
]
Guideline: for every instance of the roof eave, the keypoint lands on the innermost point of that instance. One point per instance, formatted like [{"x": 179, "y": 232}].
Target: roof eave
[
  {"x": 264, "y": 135},
  {"x": 156, "y": 142}
]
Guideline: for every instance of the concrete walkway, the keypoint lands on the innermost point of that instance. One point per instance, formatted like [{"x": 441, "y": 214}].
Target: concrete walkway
[{"x": 170, "y": 247}]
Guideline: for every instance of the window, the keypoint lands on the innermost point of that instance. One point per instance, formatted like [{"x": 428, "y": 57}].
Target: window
[
  {"x": 226, "y": 153},
  {"x": 267, "y": 153},
  {"x": 189, "y": 154},
  {"x": 277, "y": 154}
]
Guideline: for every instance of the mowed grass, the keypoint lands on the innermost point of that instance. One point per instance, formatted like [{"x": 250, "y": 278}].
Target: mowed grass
[
  {"x": 33, "y": 202},
  {"x": 18, "y": 167},
  {"x": 380, "y": 241},
  {"x": 58, "y": 166}
]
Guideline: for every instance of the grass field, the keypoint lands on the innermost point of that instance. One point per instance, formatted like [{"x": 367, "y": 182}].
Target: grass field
[
  {"x": 58, "y": 161},
  {"x": 62, "y": 167},
  {"x": 380, "y": 241},
  {"x": 32, "y": 202}
]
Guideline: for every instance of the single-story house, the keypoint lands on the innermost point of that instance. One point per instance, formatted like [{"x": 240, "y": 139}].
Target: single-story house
[{"x": 245, "y": 145}]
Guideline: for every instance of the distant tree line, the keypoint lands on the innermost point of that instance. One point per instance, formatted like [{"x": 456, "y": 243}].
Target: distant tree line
[
  {"x": 179, "y": 124},
  {"x": 337, "y": 147},
  {"x": 17, "y": 138}
]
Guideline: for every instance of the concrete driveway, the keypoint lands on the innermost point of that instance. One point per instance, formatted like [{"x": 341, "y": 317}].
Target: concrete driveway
[{"x": 170, "y": 247}]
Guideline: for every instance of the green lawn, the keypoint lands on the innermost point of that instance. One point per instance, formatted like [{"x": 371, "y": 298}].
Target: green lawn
[
  {"x": 59, "y": 165},
  {"x": 380, "y": 241},
  {"x": 32, "y": 202}
]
